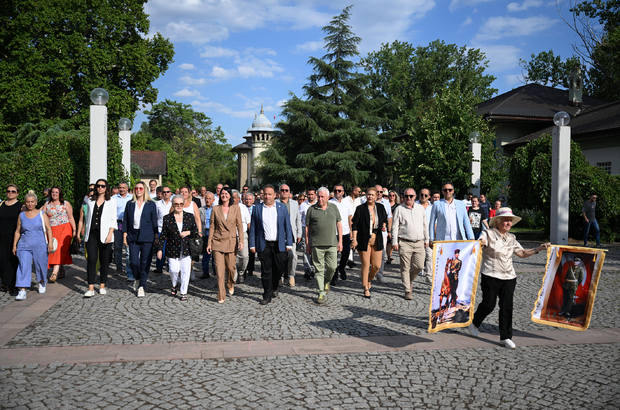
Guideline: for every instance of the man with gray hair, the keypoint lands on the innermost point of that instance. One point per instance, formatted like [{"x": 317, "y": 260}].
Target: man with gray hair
[
  {"x": 243, "y": 255},
  {"x": 293, "y": 211},
  {"x": 410, "y": 238},
  {"x": 322, "y": 222}
]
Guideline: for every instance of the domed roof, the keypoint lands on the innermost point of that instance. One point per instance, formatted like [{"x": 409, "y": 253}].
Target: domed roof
[{"x": 261, "y": 123}]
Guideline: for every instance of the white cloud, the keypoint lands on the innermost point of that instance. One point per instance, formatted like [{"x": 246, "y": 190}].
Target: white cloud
[
  {"x": 499, "y": 27},
  {"x": 524, "y": 6},
  {"x": 455, "y": 4},
  {"x": 214, "y": 52},
  {"x": 513, "y": 80},
  {"x": 466, "y": 22},
  {"x": 281, "y": 103},
  {"x": 310, "y": 46},
  {"x": 186, "y": 66},
  {"x": 193, "y": 81},
  {"x": 187, "y": 93},
  {"x": 218, "y": 107},
  {"x": 260, "y": 51},
  {"x": 194, "y": 32},
  {"x": 501, "y": 57}
]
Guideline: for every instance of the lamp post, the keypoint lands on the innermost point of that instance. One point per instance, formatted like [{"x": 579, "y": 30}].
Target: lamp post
[
  {"x": 124, "y": 135},
  {"x": 98, "y": 135},
  {"x": 476, "y": 150},
  {"x": 560, "y": 178}
]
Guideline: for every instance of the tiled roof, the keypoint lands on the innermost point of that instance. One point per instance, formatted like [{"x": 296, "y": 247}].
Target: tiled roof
[
  {"x": 242, "y": 147},
  {"x": 595, "y": 122},
  {"x": 152, "y": 162},
  {"x": 532, "y": 101}
]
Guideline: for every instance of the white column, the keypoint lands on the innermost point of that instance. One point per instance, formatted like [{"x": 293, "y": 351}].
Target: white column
[
  {"x": 476, "y": 149},
  {"x": 125, "y": 140},
  {"x": 98, "y": 142},
  {"x": 560, "y": 179}
]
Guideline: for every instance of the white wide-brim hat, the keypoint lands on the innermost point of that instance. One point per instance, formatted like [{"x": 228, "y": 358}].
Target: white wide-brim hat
[{"x": 504, "y": 213}]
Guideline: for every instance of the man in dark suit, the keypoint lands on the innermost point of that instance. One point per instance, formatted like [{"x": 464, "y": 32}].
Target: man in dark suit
[{"x": 271, "y": 238}]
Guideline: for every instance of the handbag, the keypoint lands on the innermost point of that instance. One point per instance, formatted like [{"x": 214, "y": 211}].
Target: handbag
[
  {"x": 74, "y": 249},
  {"x": 195, "y": 246}
]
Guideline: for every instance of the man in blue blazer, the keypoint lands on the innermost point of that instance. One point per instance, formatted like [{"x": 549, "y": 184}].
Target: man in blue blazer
[
  {"x": 271, "y": 238},
  {"x": 451, "y": 217}
]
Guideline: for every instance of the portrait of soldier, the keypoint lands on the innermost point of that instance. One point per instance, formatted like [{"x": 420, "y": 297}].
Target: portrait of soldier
[
  {"x": 574, "y": 276},
  {"x": 451, "y": 280}
]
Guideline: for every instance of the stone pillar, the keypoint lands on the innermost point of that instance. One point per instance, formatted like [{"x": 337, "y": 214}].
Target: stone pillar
[
  {"x": 125, "y": 140},
  {"x": 560, "y": 180},
  {"x": 476, "y": 149},
  {"x": 98, "y": 142}
]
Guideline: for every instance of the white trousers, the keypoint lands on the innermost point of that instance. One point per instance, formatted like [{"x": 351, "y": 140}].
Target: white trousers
[
  {"x": 180, "y": 267},
  {"x": 243, "y": 257}
]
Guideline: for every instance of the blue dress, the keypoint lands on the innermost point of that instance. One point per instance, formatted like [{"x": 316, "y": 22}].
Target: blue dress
[{"x": 31, "y": 248}]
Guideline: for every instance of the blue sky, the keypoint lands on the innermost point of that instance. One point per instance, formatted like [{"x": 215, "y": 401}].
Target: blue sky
[{"x": 233, "y": 55}]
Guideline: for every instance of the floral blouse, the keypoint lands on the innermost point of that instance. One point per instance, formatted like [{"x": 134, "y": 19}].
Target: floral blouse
[{"x": 57, "y": 214}]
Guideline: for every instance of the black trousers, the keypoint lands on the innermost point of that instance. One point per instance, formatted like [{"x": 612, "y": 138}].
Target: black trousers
[
  {"x": 273, "y": 264},
  {"x": 344, "y": 255},
  {"x": 493, "y": 288},
  {"x": 93, "y": 247}
]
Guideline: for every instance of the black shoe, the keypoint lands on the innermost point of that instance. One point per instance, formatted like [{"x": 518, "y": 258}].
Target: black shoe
[
  {"x": 333, "y": 282},
  {"x": 307, "y": 275},
  {"x": 158, "y": 271},
  {"x": 265, "y": 301},
  {"x": 351, "y": 264},
  {"x": 275, "y": 294},
  {"x": 343, "y": 275},
  {"x": 205, "y": 276}
]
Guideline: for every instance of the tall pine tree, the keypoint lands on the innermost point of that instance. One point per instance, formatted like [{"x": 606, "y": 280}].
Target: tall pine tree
[{"x": 328, "y": 138}]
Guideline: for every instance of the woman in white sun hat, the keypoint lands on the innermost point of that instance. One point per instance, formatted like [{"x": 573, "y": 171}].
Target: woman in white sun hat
[{"x": 498, "y": 279}]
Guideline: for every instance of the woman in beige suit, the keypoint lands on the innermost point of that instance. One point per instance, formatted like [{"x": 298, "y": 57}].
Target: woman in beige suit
[{"x": 224, "y": 243}]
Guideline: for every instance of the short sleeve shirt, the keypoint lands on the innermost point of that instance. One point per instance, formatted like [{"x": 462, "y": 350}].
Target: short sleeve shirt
[
  {"x": 589, "y": 209},
  {"x": 497, "y": 254},
  {"x": 322, "y": 225}
]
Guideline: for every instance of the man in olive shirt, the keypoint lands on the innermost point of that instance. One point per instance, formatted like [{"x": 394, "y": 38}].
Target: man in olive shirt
[{"x": 322, "y": 221}]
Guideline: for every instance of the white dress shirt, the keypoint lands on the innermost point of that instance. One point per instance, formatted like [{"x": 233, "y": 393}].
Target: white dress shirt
[
  {"x": 345, "y": 208},
  {"x": 245, "y": 216},
  {"x": 137, "y": 214},
  {"x": 270, "y": 222},
  {"x": 163, "y": 209},
  {"x": 452, "y": 230}
]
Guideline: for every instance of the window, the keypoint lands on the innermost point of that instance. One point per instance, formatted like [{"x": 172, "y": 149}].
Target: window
[{"x": 605, "y": 166}]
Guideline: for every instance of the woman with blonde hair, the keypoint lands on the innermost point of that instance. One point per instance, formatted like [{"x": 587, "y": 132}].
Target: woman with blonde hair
[
  {"x": 60, "y": 214},
  {"x": 369, "y": 221},
  {"x": 140, "y": 231},
  {"x": 33, "y": 230}
]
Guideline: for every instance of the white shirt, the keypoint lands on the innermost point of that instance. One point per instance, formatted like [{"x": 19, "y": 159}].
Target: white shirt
[
  {"x": 452, "y": 230},
  {"x": 245, "y": 216},
  {"x": 163, "y": 209},
  {"x": 153, "y": 195},
  {"x": 270, "y": 222},
  {"x": 303, "y": 209},
  {"x": 137, "y": 214},
  {"x": 346, "y": 210}
]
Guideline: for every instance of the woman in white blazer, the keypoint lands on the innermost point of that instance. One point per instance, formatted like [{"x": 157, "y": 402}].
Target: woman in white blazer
[{"x": 99, "y": 235}]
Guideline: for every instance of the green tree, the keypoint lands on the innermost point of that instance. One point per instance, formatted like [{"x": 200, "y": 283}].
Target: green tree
[
  {"x": 329, "y": 137},
  {"x": 530, "y": 171},
  {"x": 404, "y": 77},
  {"x": 55, "y": 53},
  {"x": 548, "y": 69},
  {"x": 197, "y": 152},
  {"x": 437, "y": 148}
]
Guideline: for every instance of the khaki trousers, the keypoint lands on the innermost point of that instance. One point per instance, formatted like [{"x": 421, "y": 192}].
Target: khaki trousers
[
  {"x": 225, "y": 269},
  {"x": 412, "y": 255}
]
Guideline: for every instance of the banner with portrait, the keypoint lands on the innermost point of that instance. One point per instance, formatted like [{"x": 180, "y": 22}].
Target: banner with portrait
[
  {"x": 568, "y": 287},
  {"x": 456, "y": 265}
]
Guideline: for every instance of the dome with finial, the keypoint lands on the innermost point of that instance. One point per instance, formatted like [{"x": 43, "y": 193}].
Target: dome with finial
[{"x": 261, "y": 123}]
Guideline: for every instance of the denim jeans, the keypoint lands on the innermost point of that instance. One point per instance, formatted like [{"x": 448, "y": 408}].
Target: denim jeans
[{"x": 586, "y": 230}]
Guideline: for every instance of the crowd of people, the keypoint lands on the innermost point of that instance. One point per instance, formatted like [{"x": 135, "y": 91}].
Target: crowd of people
[{"x": 150, "y": 228}]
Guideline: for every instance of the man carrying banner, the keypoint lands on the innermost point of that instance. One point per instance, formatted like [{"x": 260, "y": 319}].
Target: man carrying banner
[{"x": 498, "y": 274}]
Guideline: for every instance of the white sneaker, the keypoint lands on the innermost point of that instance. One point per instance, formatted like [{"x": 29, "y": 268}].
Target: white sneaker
[
  {"x": 89, "y": 294},
  {"x": 103, "y": 291},
  {"x": 41, "y": 288},
  {"x": 508, "y": 343},
  {"x": 473, "y": 330},
  {"x": 140, "y": 292},
  {"x": 21, "y": 295}
]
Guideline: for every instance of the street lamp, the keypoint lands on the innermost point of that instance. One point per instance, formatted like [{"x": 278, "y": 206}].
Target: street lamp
[
  {"x": 124, "y": 136},
  {"x": 560, "y": 178},
  {"x": 476, "y": 150},
  {"x": 98, "y": 135}
]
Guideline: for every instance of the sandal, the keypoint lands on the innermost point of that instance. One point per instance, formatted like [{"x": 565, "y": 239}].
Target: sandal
[
  {"x": 367, "y": 293},
  {"x": 173, "y": 292},
  {"x": 61, "y": 274},
  {"x": 53, "y": 278},
  {"x": 183, "y": 297}
]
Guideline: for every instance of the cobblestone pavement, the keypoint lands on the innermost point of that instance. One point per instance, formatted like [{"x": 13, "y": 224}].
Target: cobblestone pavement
[
  {"x": 550, "y": 377},
  {"x": 122, "y": 318}
]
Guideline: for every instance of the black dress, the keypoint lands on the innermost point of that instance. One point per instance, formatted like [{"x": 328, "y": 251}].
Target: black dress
[{"x": 9, "y": 214}]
